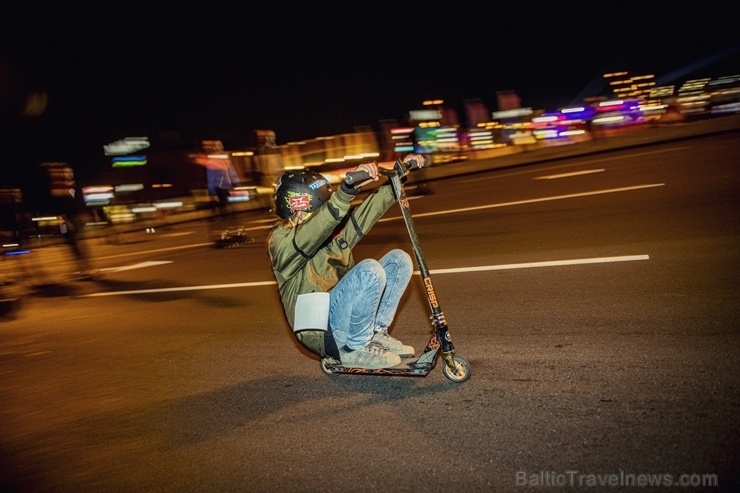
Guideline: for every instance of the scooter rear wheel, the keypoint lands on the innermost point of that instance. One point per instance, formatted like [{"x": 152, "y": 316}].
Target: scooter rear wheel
[
  {"x": 460, "y": 373},
  {"x": 326, "y": 365}
]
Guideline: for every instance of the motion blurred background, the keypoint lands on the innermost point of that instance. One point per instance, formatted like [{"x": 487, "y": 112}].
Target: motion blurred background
[{"x": 126, "y": 97}]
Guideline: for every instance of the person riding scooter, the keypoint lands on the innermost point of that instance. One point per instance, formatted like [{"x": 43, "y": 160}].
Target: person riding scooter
[{"x": 337, "y": 307}]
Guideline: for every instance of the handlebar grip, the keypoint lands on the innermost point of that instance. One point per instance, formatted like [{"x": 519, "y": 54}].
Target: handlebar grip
[
  {"x": 411, "y": 164},
  {"x": 355, "y": 176}
]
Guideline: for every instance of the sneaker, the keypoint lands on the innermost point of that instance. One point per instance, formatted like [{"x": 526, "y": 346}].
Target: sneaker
[
  {"x": 393, "y": 345},
  {"x": 372, "y": 356}
]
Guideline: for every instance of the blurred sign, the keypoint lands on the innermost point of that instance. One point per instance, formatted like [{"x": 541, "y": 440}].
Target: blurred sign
[
  {"x": 126, "y": 146},
  {"x": 425, "y": 115},
  {"x": 128, "y": 161},
  {"x": 515, "y": 113}
]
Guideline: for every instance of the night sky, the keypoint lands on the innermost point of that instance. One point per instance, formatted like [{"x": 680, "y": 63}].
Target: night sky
[{"x": 219, "y": 73}]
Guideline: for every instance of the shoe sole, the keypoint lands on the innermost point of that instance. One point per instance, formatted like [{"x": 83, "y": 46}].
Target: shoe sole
[
  {"x": 383, "y": 367},
  {"x": 405, "y": 355}
]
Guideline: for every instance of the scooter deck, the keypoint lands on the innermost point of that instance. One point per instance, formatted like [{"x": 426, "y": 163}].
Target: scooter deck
[{"x": 408, "y": 367}]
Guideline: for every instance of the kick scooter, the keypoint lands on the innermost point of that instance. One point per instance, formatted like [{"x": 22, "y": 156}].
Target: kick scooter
[
  {"x": 232, "y": 238},
  {"x": 455, "y": 368}
]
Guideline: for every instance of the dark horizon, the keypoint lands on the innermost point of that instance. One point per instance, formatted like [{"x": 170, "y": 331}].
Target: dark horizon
[{"x": 189, "y": 78}]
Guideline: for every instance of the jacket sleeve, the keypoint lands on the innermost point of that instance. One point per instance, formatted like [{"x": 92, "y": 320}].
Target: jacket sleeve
[{"x": 363, "y": 217}]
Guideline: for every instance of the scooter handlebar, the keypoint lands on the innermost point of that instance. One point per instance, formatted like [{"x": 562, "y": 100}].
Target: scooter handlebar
[
  {"x": 401, "y": 167},
  {"x": 353, "y": 177},
  {"x": 415, "y": 161}
]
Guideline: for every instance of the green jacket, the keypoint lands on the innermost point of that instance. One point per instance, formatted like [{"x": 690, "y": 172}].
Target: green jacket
[{"x": 315, "y": 255}]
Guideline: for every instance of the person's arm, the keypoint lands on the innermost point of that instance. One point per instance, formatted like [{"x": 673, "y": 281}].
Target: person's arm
[
  {"x": 364, "y": 217},
  {"x": 291, "y": 248}
]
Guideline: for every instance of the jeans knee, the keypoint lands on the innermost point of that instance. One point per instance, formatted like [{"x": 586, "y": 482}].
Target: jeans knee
[
  {"x": 401, "y": 259},
  {"x": 371, "y": 269},
  {"x": 404, "y": 257}
]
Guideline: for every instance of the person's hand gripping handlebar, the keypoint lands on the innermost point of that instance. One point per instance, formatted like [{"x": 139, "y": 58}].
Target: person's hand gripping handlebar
[
  {"x": 362, "y": 175},
  {"x": 415, "y": 161}
]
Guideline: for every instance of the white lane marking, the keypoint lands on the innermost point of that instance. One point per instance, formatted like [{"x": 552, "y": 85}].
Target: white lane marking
[
  {"x": 183, "y": 288},
  {"x": 167, "y": 249},
  {"x": 610, "y": 159},
  {"x": 568, "y": 175},
  {"x": 140, "y": 265},
  {"x": 158, "y": 250},
  {"x": 530, "y": 201},
  {"x": 550, "y": 263}
]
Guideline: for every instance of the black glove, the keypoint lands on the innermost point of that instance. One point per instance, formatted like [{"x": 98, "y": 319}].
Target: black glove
[{"x": 348, "y": 189}]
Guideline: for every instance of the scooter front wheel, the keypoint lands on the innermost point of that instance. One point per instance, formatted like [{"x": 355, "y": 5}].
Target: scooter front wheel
[{"x": 460, "y": 373}]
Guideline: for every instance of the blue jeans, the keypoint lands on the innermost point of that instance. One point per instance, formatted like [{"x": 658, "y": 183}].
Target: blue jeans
[{"x": 367, "y": 297}]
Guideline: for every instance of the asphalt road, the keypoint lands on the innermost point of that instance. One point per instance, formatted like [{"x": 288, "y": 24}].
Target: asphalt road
[{"x": 595, "y": 298}]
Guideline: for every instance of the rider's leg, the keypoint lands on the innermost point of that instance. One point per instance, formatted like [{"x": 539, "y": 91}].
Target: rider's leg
[
  {"x": 354, "y": 302},
  {"x": 398, "y": 268}
]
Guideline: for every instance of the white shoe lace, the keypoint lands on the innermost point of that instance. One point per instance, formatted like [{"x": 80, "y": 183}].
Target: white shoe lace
[
  {"x": 374, "y": 347},
  {"x": 383, "y": 335}
]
